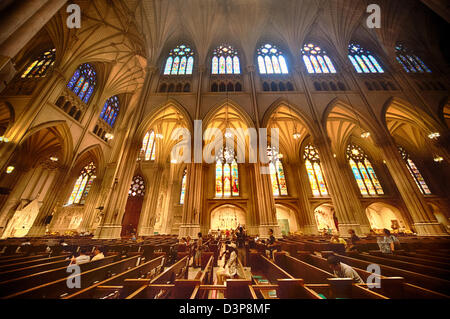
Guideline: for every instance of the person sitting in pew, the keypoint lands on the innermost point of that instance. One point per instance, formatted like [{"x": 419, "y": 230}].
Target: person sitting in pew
[
  {"x": 230, "y": 269},
  {"x": 336, "y": 239},
  {"x": 271, "y": 245},
  {"x": 81, "y": 259},
  {"x": 354, "y": 239},
  {"x": 98, "y": 254},
  {"x": 342, "y": 270},
  {"x": 386, "y": 243}
]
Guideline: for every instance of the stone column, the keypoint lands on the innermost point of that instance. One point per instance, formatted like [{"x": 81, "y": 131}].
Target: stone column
[
  {"x": 116, "y": 187},
  {"x": 147, "y": 220},
  {"x": 49, "y": 204},
  {"x": 307, "y": 222},
  {"x": 346, "y": 201},
  {"x": 424, "y": 221},
  {"x": 192, "y": 208}
]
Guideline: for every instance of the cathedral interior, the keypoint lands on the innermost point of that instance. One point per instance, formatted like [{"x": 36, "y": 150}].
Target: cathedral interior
[{"x": 101, "y": 123}]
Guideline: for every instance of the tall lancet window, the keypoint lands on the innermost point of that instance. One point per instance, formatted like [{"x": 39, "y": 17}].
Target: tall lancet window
[
  {"x": 137, "y": 188},
  {"x": 183, "y": 187},
  {"x": 110, "y": 110},
  {"x": 363, "y": 60},
  {"x": 410, "y": 62},
  {"x": 271, "y": 60},
  {"x": 40, "y": 66},
  {"x": 225, "y": 61},
  {"x": 83, "y": 185},
  {"x": 314, "y": 170},
  {"x": 227, "y": 174},
  {"x": 316, "y": 59},
  {"x": 83, "y": 82},
  {"x": 415, "y": 173},
  {"x": 148, "y": 146},
  {"x": 180, "y": 61},
  {"x": 277, "y": 176},
  {"x": 363, "y": 171}
]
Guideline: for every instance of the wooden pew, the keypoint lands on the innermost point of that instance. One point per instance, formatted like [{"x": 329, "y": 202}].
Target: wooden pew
[
  {"x": 27, "y": 263},
  {"x": 17, "y": 259},
  {"x": 392, "y": 287},
  {"x": 432, "y": 283},
  {"x": 115, "y": 283},
  {"x": 29, "y": 270},
  {"x": 415, "y": 260},
  {"x": 417, "y": 268},
  {"x": 58, "y": 288},
  {"x": 26, "y": 282},
  {"x": 160, "y": 286}
]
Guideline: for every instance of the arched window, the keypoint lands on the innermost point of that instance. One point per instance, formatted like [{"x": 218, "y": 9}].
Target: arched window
[
  {"x": 40, "y": 66},
  {"x": 83, "y": 82},
  {"x": 148, "y": 146},
  {"x": 110, "y": 110},
  {"x": 225, "y": 61},
  {"x": 314, "y": 170},
  {"x": 137, "y": 188},
  {"x": 410, "y": 61},
  {"x": 83, "y": 185},
  {"x": 180, "y": 61},
  {"x": 271, "y": 60},
  {"x": 183, "y": 187},
  {"x": 415, "y": 173},
  {"x": 277, "y": 176},
  {"x": 227, "y": 174},
  {"x": 363, "y": 171},
  {"x": 363, "y": 60},
  {"x": 316, "y": 60}
]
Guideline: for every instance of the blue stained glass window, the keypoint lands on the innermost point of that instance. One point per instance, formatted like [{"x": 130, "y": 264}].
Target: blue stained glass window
[
  {"x": 355, "y": 64},
  {"x": 228, "y": 59},
  {"x": 271, "y": 60},
  {"x": 180, "y": 61},
  {"x": 83, "y": 82},
  {"x": 215, "y": 65},
  {"x": 316, "y": 60},
  {"x": 363, "y": 60},
  {"x": 110, "y": 110},
  {"x": 410, "y": 61}
]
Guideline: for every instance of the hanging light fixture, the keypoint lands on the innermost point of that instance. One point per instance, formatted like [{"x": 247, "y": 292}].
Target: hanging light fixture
[
  {"x": 434, "y": 135},
  {"x": 54, "y": 159},
  {"x": 4, "y": 139},
  {"x": 10, "y": 169},
  {"x": 365, "y": 134},
  {"x": 438, "y": 159},
  {"x": 109, "y": 136}
]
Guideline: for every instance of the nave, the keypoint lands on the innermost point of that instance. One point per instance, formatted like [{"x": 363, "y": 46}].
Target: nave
[{"x": 161, "y": 267}]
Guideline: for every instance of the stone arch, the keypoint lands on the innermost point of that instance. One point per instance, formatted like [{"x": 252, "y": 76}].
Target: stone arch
[
  {"x": 228, "y": 210},
  {"x": 7, "y": 117},
  {"x": 287, "y": 212},
  {"x": 385, "y": 215}
]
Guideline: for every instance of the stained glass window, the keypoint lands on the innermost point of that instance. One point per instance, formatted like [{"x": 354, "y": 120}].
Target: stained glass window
[
  {"x": 271, "y": 60},
  {"x": 110, "y": 110},
  {"x": 83, "y": 185},
  {"x": 137, "y": 188},
  {"x": 415, "y": 173},
  {"x": 410, "y": 62},
  {"x": 363, "y": 171},
  {"x": 183, "y": 187},
  {"x": 316, "y": 60},
  {"x": 227, "y": 174},
  {"x": 277, "y": 176},
  {"x": 83, "y": 82},
  {"x": 40, "y": 66},
  {"x": 363, "y": 60},
  {"x": 180, "y": 61},
  {"x": 314, "y": 170},
  {"x": 148, "y": 146}
]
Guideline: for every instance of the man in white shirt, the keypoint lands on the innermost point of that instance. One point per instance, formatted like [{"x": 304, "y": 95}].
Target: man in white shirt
[
  {"x": 97, "y": 254},
  {"x": 342, "y": 270},
  {"x": 81, "y": 259}
]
